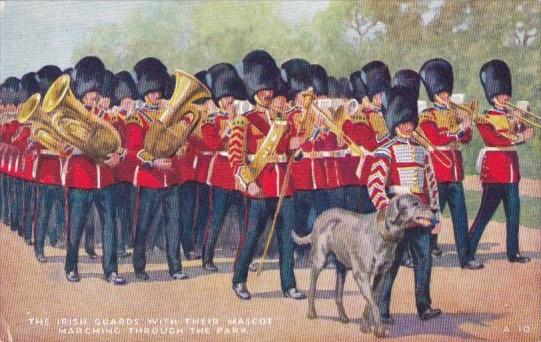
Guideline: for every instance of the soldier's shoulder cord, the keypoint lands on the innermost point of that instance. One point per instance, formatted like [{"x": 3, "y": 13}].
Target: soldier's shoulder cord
[
  {"x": 427, "y": 115},
  {"x": 378, "y": 124},
  {"x": 134, "y": 118},
  {"x": 239, "y": 121},
  {"x": 359, "y": 117}
]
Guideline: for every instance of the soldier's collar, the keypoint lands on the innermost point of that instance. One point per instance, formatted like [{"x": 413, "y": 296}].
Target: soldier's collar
[
  {"x": 439, "y": 106},
  {"x": 152, "y": 107},
  {"x": 499, "y": 109}
]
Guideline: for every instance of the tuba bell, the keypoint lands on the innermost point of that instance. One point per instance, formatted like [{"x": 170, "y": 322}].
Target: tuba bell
[
  {"x": 169, "y": 132},
  {"x": 42, "y": 127},
  {"x": 76, "y": 125}
]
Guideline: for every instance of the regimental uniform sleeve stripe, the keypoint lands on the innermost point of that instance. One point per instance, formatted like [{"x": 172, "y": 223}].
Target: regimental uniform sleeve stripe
[{"x": 376, "y": 183}]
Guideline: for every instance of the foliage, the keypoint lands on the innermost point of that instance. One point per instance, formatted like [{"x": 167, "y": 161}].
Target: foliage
[{"x": 342, "y": 37}]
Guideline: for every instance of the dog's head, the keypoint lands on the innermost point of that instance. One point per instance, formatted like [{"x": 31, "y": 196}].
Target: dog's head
[{"x": 407, "y": 211}]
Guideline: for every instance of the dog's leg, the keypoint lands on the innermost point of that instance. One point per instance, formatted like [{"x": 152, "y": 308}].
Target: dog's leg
[
  {"x": 317, "y": 265},
  {"x": 363, "y": 282},
  {"x": 376, "y": 284},
  {"x": 341, "y": 273}
]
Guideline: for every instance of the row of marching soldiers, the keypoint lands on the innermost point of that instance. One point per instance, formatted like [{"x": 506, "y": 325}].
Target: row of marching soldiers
[{"x": 251, "y": 139}]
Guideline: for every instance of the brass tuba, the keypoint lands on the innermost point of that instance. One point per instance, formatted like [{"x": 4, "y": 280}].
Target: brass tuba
[
  {"x": 42, "y": 127},
  {"x": 169, "y": 132},
  {"x": 76, "y": 125}
]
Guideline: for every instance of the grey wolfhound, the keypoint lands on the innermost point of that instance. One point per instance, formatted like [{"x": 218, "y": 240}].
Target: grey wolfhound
[{"x": 365, "y": 245}]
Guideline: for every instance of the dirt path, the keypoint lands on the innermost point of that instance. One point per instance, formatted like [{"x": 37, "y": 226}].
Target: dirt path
[{"x": 501, "y": 302}]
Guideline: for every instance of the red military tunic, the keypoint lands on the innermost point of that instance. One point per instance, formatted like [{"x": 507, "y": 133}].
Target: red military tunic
[
  {"x": 11, "y": 153},
  {"x": 439, "y": 126},
  {"x": 366, "y": 129},
  {"x": 498, "y": 160},
  {"x": 144, "y": 175},
  {"x": 47, "y": 167},
  {"x": 271, "y": 179},
  {"x": 24, "y": 160},
  {"x": 126, "y": 168},
  {"x": 187, "y": 164},
  {"x": 213, "y": 156},
  {"x": 401, "y": 166},
  {"x": 309, "y": 172},
  {"x": 333, "y": 155},
  {"x": 82, "y": 172}
]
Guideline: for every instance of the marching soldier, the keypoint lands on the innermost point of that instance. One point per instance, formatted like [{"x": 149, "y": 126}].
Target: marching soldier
[
  {"x": 498, "y": 161},
  {"x": 90, "y": 182},
  {"x": 447, "y": 130},
  {"x": 366, "y": 128},
  {"x": 260, "y": 74},
  {"x": 21, "y": 140},
  {"x": 124, "y": 95},
  {"x": 47, "y": 171},
  {"x": 153, "y": 177},
  {"x": 401, "y": 166},
  {"x": 308, "y": 169},
  {"x": 193, "y": 166},
  {"x": 13, "y": 88},
  {"x": 333, "y": 150},
  {"x": 226, "y": 87}
]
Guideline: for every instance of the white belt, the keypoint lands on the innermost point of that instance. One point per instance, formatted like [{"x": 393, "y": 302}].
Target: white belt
[
  {"x": 401, "y": 190},
  {"x": 325, "y": 154},
  {"x": 48, "y": 153},
  {"x": 481, "y": 156},
  {"x": 212, "y": 153},
  {"x": 445, "y": 148},
  {"x": 279, "y": 158},
  {"x": 499, "y": 148}
]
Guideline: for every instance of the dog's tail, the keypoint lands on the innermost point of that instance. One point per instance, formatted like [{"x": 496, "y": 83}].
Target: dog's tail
[{"x": 305, "y": 240}]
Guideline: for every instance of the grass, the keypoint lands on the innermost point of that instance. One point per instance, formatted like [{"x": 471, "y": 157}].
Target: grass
[{"x": 530, "y": 213}]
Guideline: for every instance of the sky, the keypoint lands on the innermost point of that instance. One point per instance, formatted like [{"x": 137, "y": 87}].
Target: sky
[{"x": 36, "y": 33}]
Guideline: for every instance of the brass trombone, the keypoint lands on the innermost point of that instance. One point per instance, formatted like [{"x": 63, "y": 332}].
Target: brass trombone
[
  {"x": 527, "y": 121},
  {"x": 475, "y": 116}
]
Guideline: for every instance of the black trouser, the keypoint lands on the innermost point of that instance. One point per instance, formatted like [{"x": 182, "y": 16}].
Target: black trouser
[
  {"x": 79, "y": 202},
  {"x": 357, "y": 199},
  {"x": 259, "y": 211},
  {"x": 493, "y": 194},
  {"x": 221, "y": 201},
  {"x": 453, "y": 194},
  {"x": 150, "y": 201},
  {"x": 50, "y": 200},
  {"x": 29, "y": 209},
  {"x": 418, "y": 240}
]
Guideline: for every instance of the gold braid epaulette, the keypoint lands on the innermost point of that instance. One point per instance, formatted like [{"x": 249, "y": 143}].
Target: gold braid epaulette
[
  {"x": 427, "y": 115},
  {"x": 359, "y": 117},
  {"x": 135, "y": 119},
  {"x": 378, "y": 124}
]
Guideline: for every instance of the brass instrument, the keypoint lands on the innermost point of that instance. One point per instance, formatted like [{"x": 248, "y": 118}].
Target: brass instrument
[
  {"x": 169, "y": 132},
  {"x": 249, "y": 173},
  {"x": 471, "y": 110},
  {"x": 42, "y": 127},
  {"x": 76, "y": 125},
  {"x": 423, "y": 141},
  {"x": 337, "y": 130},
  {"x": 521, "y": 118}
]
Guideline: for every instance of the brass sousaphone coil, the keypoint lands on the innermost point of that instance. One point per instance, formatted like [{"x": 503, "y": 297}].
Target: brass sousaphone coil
[
  {"x": 42, "y": 127},
  {"x": 169, "y": 132},
  {"x": 77, "y": 126}
]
